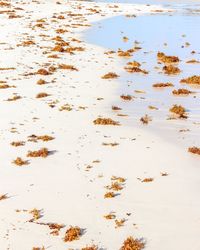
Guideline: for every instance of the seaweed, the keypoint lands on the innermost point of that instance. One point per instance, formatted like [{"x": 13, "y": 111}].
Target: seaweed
[
  {"x": 42, "y": 95},
  {"x": 109, "y": 195},
  {"x": 191, "y": 80},
  {"x": 41, "y": 82},
  {"x": 179, "y": 110},
  {"x": 43, "y": 152},
  {"x": 167, "y": 59},
  {"x": 132, "y": 244},
  {"x": 181, "y": 92},
  {"x": 110, "y": 75},
  {"x": 93, "y": 247},
  {"x": 17, "y": 143},
  {"x": 145, "y": 119},
  {"x": 73, "y": 233},
  {"x": 43, "y": 72},
  {"x": 126, "y": 97},
  {"x": 171, "y": 70},
  {"x": 194, "y": 150},
  {"x": 163, "y": 85},
  {"x": 67, "y": 67},
  {"x": 19, "y": 162},
  {"x": 106, "y": 121},
  {"x": 3, "y": 197}
]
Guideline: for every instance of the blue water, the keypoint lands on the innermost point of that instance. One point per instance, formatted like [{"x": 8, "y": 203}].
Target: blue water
[{"x": 168, "y": 33}]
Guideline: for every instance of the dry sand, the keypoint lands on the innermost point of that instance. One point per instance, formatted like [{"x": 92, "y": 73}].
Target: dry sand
[{"x": 68, "y": 186}]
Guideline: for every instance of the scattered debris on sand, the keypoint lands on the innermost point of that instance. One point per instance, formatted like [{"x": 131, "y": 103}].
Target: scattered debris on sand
[
  {"x": 105, "y": 121},
  {"x": 20, "y": 162},
  {"x": 3, "y": 197},
  {"x": 126, "y": 97},
  {"x": 133, "y": 244},
  {"x": 43, "y": 152},
  {"x": 147, "y": 180},
  {"x": 171, "y": 70},
  {"x": 194, "y": 150},
  {"x": 109, "y": 195},
  {"x": 42, "y": 95},
  {"x": 110, "y": 216},
  {"x": 192, "y": 80},
  {"x": 93, "y": 247},
  {"x": 167, "y": 59},
  {"x": 36, "y": 214},
  {"x": 17, "y": 143},
  {"x": 73, "y": 233},
  {"x": 38, "y": 248},
  {"x": 163, "y": 85},
  {"x": 145, "y": 119},
  {"x": 179, "y": 111},
  {"x": 181, "y": 92},
  {"x": 110, "y": 75}
]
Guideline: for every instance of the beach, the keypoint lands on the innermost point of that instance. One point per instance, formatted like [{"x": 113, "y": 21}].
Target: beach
[{"x": 71, "y": 160}]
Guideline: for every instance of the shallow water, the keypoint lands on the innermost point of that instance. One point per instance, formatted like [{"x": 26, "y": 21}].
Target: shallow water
[
  {"x": 161, "y": 32},
  {"x": 162, "y": 2}
]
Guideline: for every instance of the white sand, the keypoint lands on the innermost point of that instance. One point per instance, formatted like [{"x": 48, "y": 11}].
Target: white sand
[{"x": 165, "y": 212}]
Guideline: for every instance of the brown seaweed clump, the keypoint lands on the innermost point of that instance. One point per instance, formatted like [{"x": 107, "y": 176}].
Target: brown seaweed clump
[
  {"x": 4, "y": 86},
  {"x": 110, "y": 216},
  {"x": 36, "y": 214},
  {"x": 163, "y": 85},
  {"x": 41, "y": 82},
  {"x": 19, "y": 162},
  {"x": 171, "y": 70},
  {"x": 67, "y": 67},
  {"x": 17, "y": 143},
  {"x": 181, "y": 92},
  {"x": 55, "y": 227},
  {"x": 109, "y": 195},
  {"x": 110, "y": 75},
  {"x": 119, "y": 223},
  {"x": 116, "y": 186},
  {"x": 43, "y": 72},
  {"x": 192, "y": 61},
  {"x": 38, "y": 248},
  {"x": 42, "y": 95},
  {"x": 65, "y": 107},
  {"x": 43, "y": 152},
  {"x": 132, "y": 244},
  {"x": 194, "y": 150},
  {"x": 178, "y": 110},
  {"x": 116, "y": 108},
  {"x": 145, "y": 119},
  {"x": 58, "y": 48},
  {"x": 167, "y": 59},
  {"x": 112, "y": 144},
  {"x": 134, "y": 64},
  {"x": 73, "y": 233},
  {"x": 132, "y": 69},
  {"x": 192, "y": 80},
  {"x": 124, "y": 53},
  {"x": 93, "y": 247},
  {"x": 3, "y": 197},
  {"x": 119, "y": 179},
  {"x": 148, "y": 180},
  {"x": 105, "y": 121},
  {"x": 45, "y": 138},
  {"x": 14, "y": 98},
  {"x": 126, "y": 97},
  {"x": 35, "y": 138}
]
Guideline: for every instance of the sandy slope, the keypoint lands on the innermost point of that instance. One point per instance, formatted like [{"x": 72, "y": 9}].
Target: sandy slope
[{"x": 165, "y": 212}]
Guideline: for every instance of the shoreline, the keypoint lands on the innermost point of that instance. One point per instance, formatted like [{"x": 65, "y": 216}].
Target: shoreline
[{"x": 171, "y": 131}]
